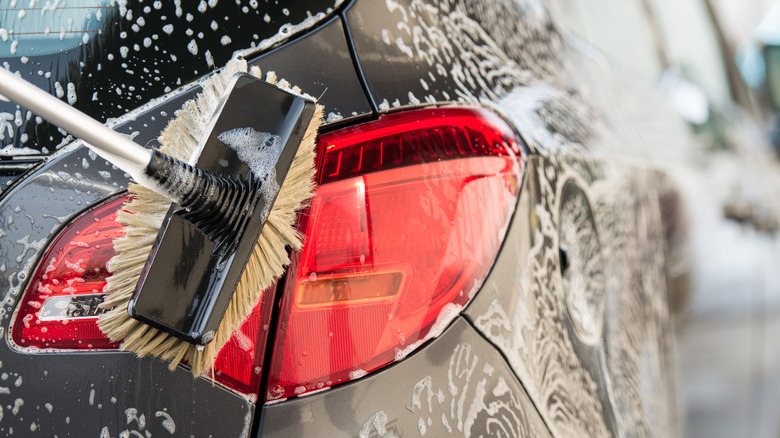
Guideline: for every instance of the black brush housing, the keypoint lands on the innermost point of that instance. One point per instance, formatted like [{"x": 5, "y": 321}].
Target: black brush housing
[
  {"x": 206, "y": 239},
  {"x": 219, "y": 207}
]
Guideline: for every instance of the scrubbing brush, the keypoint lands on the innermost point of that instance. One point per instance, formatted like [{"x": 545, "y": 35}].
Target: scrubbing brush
[{"x": 196, "y": 191}]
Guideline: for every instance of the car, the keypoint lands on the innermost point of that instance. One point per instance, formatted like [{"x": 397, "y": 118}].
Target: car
[{"x": 487, "y": 252}]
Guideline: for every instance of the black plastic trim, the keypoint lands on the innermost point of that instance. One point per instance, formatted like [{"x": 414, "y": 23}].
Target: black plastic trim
[{"x": 356, "y": 60}]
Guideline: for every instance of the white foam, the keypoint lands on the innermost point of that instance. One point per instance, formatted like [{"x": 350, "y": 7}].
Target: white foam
[
  {"x": 71, "y": 93},
  {"x": 260, "y": 151},
  {"x": 192, "y": 46},
  {"x": 58, "y": 90}
]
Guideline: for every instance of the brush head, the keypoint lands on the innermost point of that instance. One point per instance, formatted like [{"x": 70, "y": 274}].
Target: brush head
[
  {"x": 204, "y": 243},
  {"x": 144, "y": 215}
]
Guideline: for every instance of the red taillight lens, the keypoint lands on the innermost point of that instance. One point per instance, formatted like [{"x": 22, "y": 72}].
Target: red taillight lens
[
  {"x": 239, "y": 363},
  {"x": 59, "y": 309},
  {"x": 409, "y": 217}
]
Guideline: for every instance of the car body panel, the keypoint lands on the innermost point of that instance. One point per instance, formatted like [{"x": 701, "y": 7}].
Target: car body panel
[
  {"x": 587, "y": 346},
  {"x": 568, "y": 107},
  {"x": 320, "y": 63},
  {"x": 425, "y": 52},
  {"x": 458, "y": 384},
  {"x": 559, "y": 93}
]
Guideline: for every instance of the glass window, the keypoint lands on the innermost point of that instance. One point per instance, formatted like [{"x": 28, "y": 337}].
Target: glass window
[{"x": 49, "y": 28}]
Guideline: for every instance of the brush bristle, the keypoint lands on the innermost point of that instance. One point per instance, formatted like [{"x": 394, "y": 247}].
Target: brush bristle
[{"x": 142, "y": 217}]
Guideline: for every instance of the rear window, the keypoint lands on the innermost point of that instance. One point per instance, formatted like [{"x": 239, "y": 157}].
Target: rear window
[
  {"x": 50, "y": 28},
  {"x": 108, "y": 57}
]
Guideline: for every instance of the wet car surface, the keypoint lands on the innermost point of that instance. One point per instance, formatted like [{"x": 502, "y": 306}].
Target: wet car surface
[{"x": 553, "y": 264}]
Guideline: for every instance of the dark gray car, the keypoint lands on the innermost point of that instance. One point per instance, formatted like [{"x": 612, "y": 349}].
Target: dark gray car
[{"x": 485, "y": 253}]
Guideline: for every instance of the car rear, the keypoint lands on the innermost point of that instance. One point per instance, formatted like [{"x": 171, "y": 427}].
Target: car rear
[{"x": 427, "y": 198}]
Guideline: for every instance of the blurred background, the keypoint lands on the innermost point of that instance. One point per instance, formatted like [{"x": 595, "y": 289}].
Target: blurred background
[{"x": 717, "y": 63}]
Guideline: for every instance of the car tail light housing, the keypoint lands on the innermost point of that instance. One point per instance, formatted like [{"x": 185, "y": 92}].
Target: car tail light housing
[
  {"x": 406, "y": 222},
  {"x": 59, "y": 308}
]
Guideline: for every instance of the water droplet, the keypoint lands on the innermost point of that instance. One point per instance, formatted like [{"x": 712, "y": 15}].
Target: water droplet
[{"x": 275, "y": 392}]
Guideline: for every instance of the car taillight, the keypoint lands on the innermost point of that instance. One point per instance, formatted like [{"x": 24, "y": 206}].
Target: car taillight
[
  {"x": 59, "y": 309},
  {"x": 407, "y": 220},
  {"x": 409, "y": 216},
  {"x": 239, "y": 363}
]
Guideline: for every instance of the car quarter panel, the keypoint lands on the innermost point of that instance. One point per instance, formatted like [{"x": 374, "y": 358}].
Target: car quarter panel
[
  {"x": 457, "y": 385},
  {"x": 576, "y": 301},
  {"x": 593, "y": 346}
]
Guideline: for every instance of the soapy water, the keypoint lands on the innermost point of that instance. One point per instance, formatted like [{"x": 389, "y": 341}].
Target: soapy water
[{"x": 260, "y": 151}]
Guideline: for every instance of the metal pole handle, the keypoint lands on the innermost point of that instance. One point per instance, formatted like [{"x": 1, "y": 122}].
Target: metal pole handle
[{"x": 106, "y": 142}]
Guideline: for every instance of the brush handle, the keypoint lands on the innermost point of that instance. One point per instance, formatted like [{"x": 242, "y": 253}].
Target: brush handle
[{"x": 106, "y": 142}]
